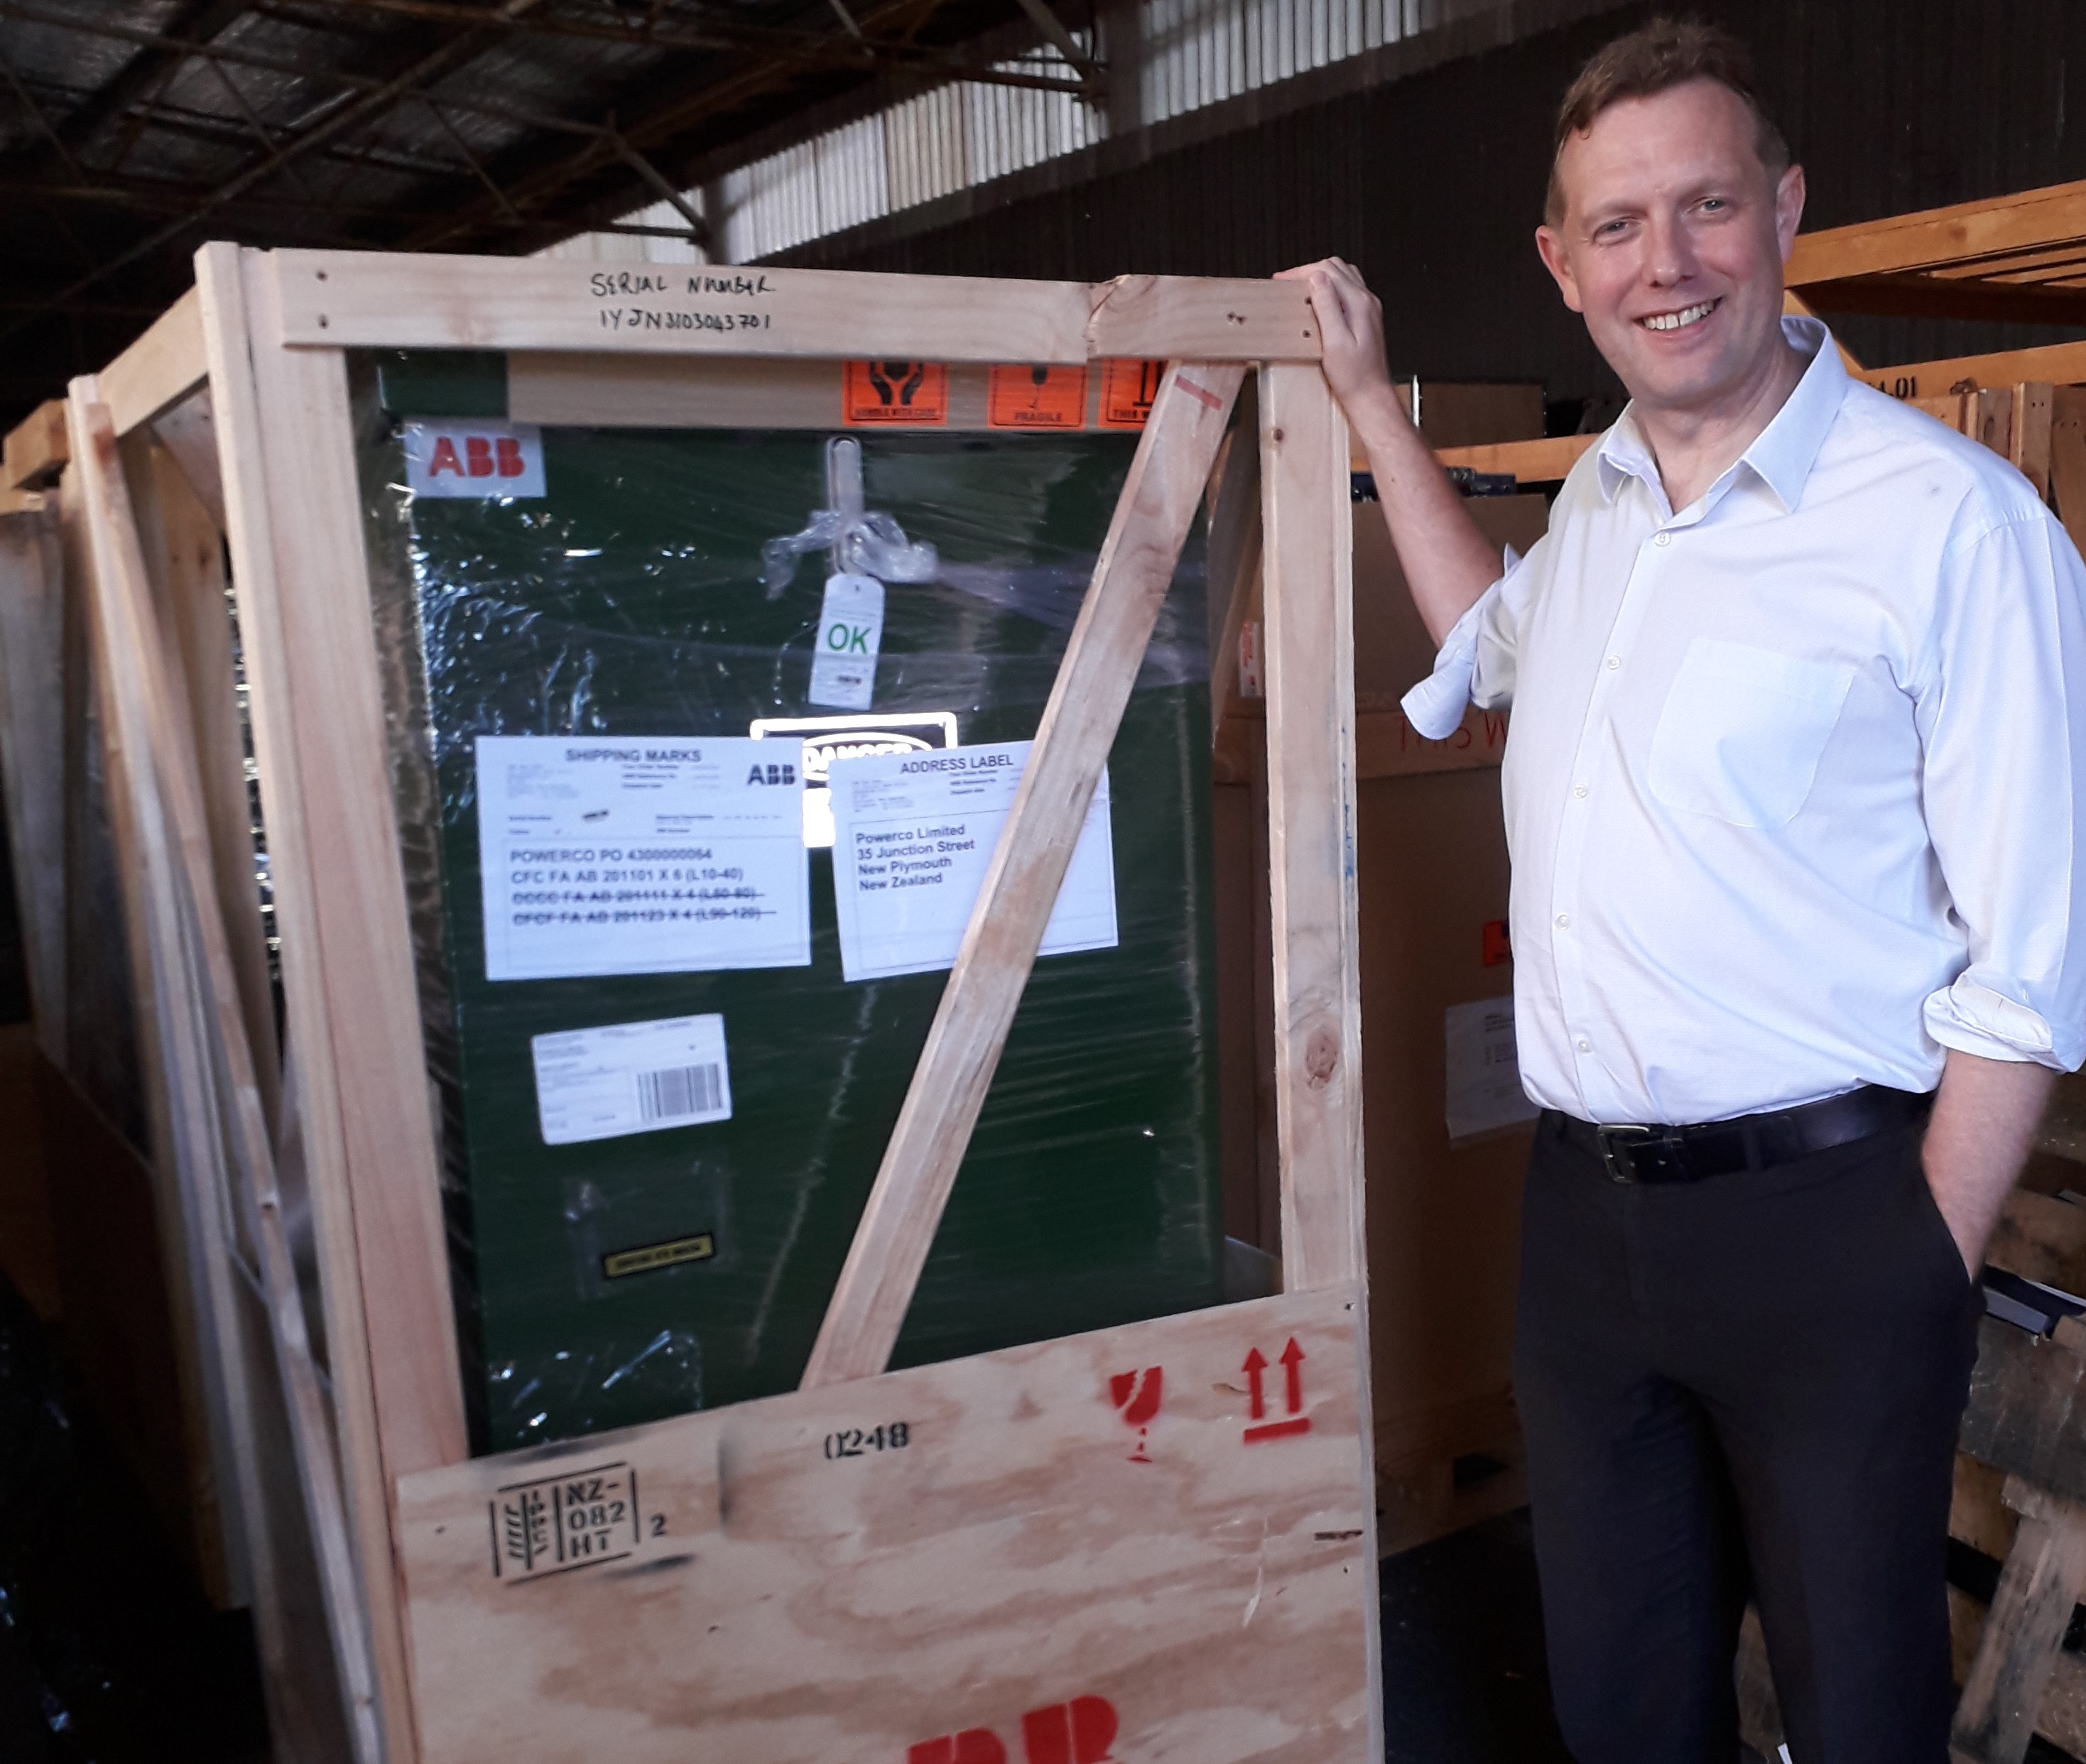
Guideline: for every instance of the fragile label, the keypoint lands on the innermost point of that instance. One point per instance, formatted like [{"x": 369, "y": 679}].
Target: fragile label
[
  {"x": 875, "y": 393},
  {"x": 1484, "y": 1069},
  {"x": 473, "y": 459},
  {"x": 850, "y": 632},
  {"x": 913, "y": 836},
  {"x": 631, "y": 1078},
  {"x": 603, "y": 854},
  {"x": 1128, "y": 388},
  {"x": 1037, "y": 398}
]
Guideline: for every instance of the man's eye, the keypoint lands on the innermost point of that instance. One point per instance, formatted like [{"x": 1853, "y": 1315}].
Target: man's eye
[{"x": 1715, "y": 202}]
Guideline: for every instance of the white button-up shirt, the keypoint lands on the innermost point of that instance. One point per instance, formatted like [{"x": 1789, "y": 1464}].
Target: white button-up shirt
[{"x": 1795, "y": 780}]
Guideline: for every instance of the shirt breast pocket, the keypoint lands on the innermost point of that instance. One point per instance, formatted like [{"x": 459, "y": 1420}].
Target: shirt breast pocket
[{"x": 1741, "y": 731}]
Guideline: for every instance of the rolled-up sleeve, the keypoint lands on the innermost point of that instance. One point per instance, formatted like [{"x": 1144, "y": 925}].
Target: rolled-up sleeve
[
  {"x": 2002, "y": 719},
  {"x": 1475, "y": 663}
]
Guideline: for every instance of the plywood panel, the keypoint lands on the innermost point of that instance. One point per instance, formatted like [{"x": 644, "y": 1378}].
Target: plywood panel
[{"x": 749, "y": 1597}]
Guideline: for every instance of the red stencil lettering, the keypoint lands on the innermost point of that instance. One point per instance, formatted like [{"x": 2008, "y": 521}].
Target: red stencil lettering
[
  {"x": 974, "y": 1746},
  {"x": 1079, "y": 1732},
  {"x": 445, "y": 458}
]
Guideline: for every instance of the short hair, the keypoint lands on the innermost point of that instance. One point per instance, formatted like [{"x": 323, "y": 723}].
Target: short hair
[{"x": 1665, "y": 54}]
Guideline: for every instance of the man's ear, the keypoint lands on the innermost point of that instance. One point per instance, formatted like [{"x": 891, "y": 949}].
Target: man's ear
[
  {"x": 1551, "y": 248},
  {"x": 1789, "y": 208}
]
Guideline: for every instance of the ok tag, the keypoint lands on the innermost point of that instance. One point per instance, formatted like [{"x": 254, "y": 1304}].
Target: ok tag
[{"x": 850, "y": 632}]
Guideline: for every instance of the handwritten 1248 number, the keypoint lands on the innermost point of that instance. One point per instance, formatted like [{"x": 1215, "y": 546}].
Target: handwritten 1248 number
[{"x": 857, "y": 1442}]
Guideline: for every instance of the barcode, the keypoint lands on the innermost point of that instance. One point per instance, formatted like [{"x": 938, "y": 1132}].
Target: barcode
[{"x": 678, "y": 1091}]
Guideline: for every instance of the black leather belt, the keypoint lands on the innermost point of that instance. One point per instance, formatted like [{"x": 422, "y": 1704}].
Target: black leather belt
[{"x": 1747, "y": 1142}]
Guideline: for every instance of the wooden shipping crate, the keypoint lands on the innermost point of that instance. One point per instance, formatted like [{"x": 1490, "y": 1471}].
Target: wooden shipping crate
[{"x": 1006, "y": 1573}]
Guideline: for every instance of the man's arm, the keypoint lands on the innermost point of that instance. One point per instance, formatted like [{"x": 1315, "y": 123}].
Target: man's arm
[
  {"x": 1984, "y": 1123},
  {"x": 1447, "y": 562}
]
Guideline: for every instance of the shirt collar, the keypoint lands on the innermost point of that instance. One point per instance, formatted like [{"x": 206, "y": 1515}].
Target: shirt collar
[{"x": 1780, "y": 455}]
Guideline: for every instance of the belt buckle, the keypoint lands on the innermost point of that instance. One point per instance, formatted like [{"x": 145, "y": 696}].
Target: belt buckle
[{"x": 1617, "y": 1143}]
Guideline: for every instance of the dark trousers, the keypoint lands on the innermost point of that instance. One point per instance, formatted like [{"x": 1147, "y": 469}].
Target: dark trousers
[{"x": 1750, "y": 1383}]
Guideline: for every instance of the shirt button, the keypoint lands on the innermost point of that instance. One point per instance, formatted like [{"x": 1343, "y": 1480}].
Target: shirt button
[
  {"x": 1564, "y": 920},
  {"x": 1584, "y": 1045},
  {"x": 1578, "y": 790},
  {"x": 1613, "y": 662},
  {"x": 1664, "y": 539}
]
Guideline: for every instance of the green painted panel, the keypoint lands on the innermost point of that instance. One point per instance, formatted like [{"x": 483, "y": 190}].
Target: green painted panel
[{"x": 629, "y": 601}]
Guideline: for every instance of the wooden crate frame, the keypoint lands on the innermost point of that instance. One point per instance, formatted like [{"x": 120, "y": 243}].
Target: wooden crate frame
[{"x": 1220, "y": 1599}]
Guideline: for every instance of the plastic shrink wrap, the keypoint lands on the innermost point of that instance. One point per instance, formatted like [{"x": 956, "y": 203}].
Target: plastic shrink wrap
[{"x": 622, "y": 1248}]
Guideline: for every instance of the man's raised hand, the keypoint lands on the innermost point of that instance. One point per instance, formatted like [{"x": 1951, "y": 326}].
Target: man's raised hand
[{"x": 1351, "y": 325}]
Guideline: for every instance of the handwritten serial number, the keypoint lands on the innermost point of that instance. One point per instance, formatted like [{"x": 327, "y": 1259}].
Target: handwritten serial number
[{"x": 648, "y": 318}]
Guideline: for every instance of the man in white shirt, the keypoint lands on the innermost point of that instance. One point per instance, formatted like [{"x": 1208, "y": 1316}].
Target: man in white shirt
[{"x": 1794, "y": 791}]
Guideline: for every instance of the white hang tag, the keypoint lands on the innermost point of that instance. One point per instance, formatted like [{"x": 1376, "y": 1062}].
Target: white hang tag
[{"x": 850, "y": 632}]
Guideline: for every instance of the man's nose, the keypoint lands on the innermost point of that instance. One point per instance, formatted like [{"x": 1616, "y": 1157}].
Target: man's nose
[{"x": 1671, "y": 257}]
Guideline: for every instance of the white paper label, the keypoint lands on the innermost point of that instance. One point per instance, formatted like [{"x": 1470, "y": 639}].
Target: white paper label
[
  {"x": 825, "y": 739},
  {"x": 603, "y": 854},
  {"x": 850, "y": 632},
  {"x": 1484, "y": 1069},
  {"x": 447, "y": 458},
  {"x": 631, "y": 1078},
  {"x": 912, "y": 835}
]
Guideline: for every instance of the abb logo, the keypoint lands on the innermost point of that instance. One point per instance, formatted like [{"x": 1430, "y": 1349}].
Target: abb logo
[
  {"x": 484, "y": 456},
  {"x": 458, "y": 456},
  {"x": 1080, "y": 1731}
]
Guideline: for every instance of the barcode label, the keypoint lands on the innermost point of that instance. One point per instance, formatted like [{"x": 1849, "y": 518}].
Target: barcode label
[
  {"x": 681, "y": 1090},
  {"x": 631, "y": 1078}
]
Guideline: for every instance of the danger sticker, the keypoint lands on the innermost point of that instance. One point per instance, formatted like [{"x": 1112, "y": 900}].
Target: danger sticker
[
  {"x": 473, "y": 459},
  {"x": 1127, "y": 390},
  {"x": 876, "y": 393},
  {"x": 1036, "y": 396}
]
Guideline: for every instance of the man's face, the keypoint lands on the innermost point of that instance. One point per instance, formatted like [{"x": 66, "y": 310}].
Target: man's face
[{"x": 1672, "y": 244}]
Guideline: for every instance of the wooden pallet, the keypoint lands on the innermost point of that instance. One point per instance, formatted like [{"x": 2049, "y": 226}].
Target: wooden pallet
[{"x": 1009, "y": 1580}]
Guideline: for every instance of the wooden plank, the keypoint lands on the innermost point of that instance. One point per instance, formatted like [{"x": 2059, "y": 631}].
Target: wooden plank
[
  {"x": 181, "y": 1163},
  {"x": 1978, "y": 1514},
  {"x": 1107, "y": 646},
  {"x": 2067, "y": 458},
  {"x": 300, "y": 577},
  {"x": 397, "y": 300},
  {"x": 1958, "y": 234},
  {"x": 2044, "y": 1577},
  {"x": 189, "y": 432},
  {"x": 33, "y": 756},
  {"x": 1311, "y": 827},
  {"x": 1546, "y": 461},
  {"x": 1386, "y": 746},
  {"x": 2040, "y": 1238},
  {"x": 2025, "y": 1396},
  {"x": 160, "y": 369},
  {"x": 36, "y": 448},
  {"x": 218, "y": 1074},
  {"x": 1307, "y": 523},
  {"x": 1023, "y": 1548},
  {"x": 1187, "y": 318},
  {"x": 1233, "y": 555},
  {"x": 1989, "y": 417},
  {"x": 183, "y": 549},
  {"x": 2053, "y": 364}
]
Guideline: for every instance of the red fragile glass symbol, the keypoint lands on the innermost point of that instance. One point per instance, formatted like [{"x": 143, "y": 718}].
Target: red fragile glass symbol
[{"x": 1137, "y": 1396}]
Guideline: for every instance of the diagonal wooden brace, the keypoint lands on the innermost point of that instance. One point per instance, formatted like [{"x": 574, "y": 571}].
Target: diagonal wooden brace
[{"x": 1078, "y": 726}]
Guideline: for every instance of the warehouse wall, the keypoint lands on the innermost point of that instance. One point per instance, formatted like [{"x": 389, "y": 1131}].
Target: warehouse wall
[{"x": 1431, "y": 182}]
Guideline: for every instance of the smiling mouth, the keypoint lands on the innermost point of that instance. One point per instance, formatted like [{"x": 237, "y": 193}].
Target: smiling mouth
[{"x": 1681, "y": 319}]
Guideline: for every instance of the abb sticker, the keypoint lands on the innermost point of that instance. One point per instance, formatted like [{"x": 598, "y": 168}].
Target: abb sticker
[
  {"x": 483, "y": 460},
  {"x": 1080, "y": 1731}
]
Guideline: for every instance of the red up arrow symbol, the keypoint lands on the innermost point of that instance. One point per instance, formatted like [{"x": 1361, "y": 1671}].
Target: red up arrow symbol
[
  {"x": 1256, "y": 1364},
  {"x": 1292, "y": 1363},
  {"x": 1292, "y": 1358}
]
